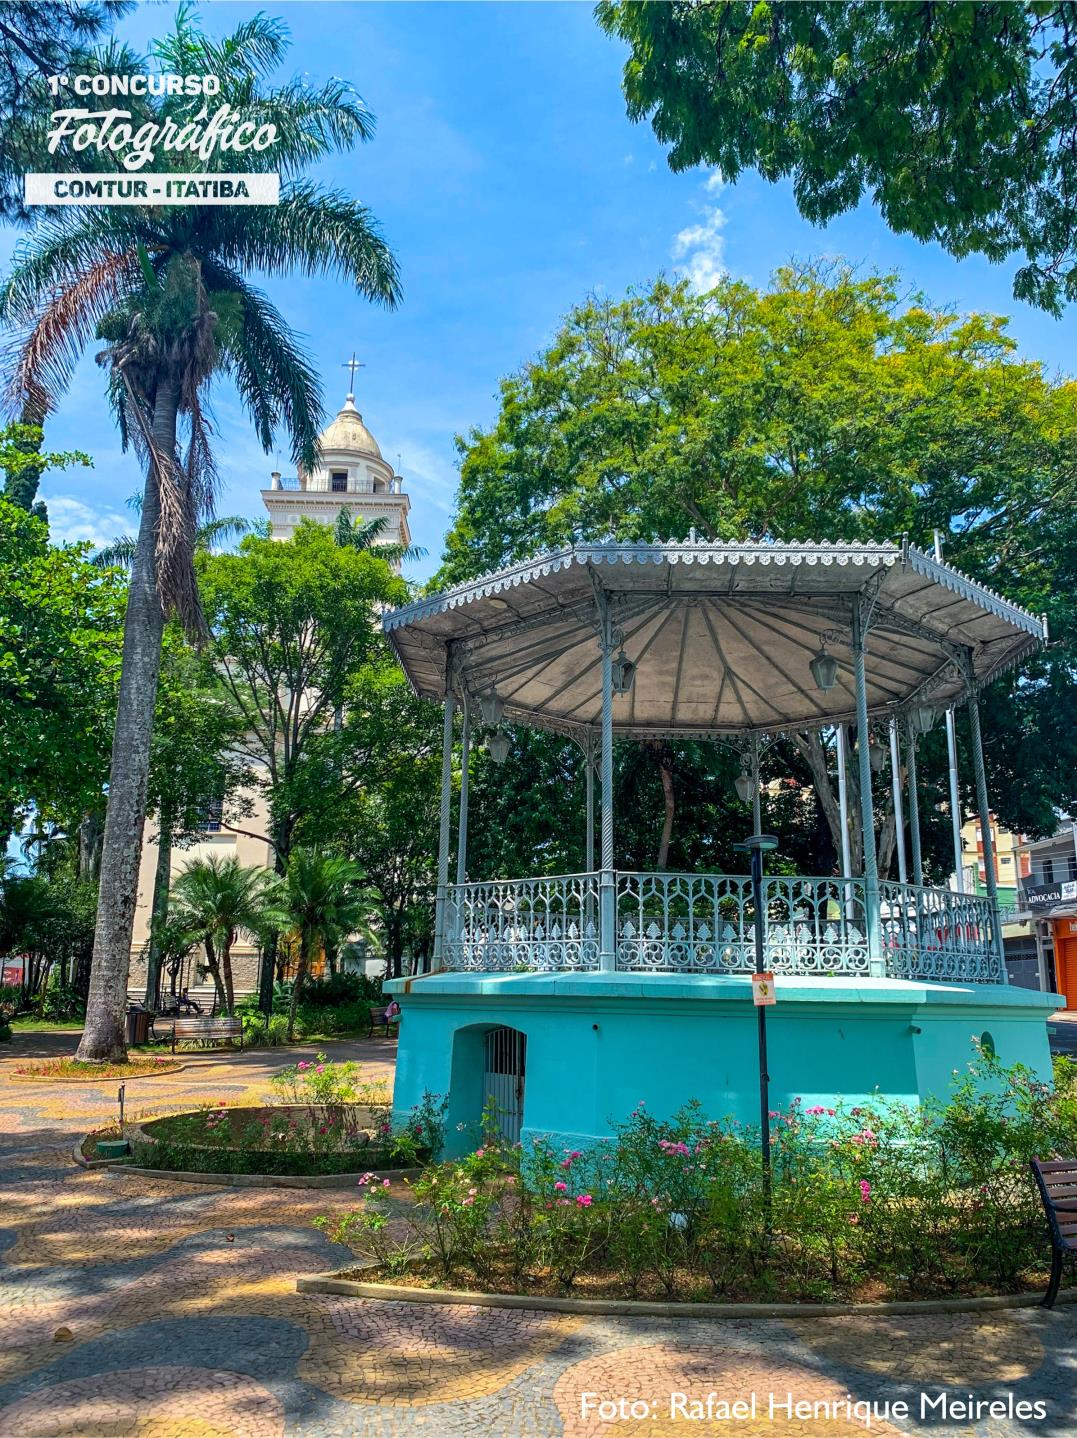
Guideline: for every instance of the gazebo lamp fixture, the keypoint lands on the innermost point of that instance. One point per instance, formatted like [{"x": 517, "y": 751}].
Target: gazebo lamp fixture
[
  {"x": 492, "y": 707},
  {"x": 824, "y": 670},
  {"x": 876, "y": 757},
  {"x": 743, "y": 785},
  {"x": 624, "y": 672},
  {"x": 497, "y": 746},
  {"x": 923, "y": 718}
]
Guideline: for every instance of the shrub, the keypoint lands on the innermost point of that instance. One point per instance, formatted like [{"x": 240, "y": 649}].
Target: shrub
[
  {"x": 915, "y": 1201},
  {"x": 337, "y": 990}
]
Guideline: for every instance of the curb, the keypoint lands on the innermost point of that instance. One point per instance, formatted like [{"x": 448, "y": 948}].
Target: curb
[
  {"x": 629, "y": 1308},
  {"x": 266, "y": 1180},
  {"x": 83, "y": 1162},
  {"x": 115, "y": 1078}
]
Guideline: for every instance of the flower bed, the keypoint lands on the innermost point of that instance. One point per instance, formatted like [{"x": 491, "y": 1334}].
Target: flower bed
[
  {"x": 867, "y": 1204},
  {"x": 74, "y": 1070},
  {"x": 325, "y": 1121}
]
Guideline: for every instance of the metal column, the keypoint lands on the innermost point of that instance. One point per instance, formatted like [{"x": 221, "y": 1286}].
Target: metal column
[
  {"x": 985, "y": 824},
  {"x": 843, "y": 803},
  {"x": 465, "y": 757},
  {"x": 607, "y": 909},
  {"x": 914, "y": 804},
  {"x": 757, "y": 798},
  {"x": 443, "y": 831},
  {"x": 589, "y": 800},
  {"x": 899, "y": 813},
  {"x": 876, "y": 964},
  {"x": 951, "y": 752}
]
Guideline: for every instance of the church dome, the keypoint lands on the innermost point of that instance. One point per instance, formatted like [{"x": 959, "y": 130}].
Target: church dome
[{"x": 348, "y": 433}]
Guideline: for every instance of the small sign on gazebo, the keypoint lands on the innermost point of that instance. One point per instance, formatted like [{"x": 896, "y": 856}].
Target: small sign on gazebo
[{"x": 763, "y": 990}]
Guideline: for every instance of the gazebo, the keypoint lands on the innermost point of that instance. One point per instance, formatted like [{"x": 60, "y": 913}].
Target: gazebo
[{"x": 566, "y": 999}]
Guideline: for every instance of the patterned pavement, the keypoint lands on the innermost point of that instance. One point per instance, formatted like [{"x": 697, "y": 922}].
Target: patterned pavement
[{"x": 139, "y": 1309}]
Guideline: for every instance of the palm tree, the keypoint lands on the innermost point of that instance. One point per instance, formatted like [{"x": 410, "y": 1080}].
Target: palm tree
[
  {"x": 324, "y": 902},
  {"x": 214, "y": 900},
  {"x": 166, "y": 288},
  {"x": 367, "y": 535}
]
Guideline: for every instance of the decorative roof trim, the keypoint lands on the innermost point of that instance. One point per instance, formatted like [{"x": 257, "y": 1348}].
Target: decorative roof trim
[
  {"x": 611, "y": 553},
  {"x": 669, "y": 552}
]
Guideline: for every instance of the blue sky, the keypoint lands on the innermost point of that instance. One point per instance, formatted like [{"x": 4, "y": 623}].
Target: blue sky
[{"x": 510, "y": 182}]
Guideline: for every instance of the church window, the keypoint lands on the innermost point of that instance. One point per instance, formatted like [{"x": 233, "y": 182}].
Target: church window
[{"x": 338, "y": 481}]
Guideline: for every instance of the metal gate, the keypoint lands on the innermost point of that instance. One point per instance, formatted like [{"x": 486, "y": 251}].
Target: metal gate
[{"x": 503, "y": 1080}]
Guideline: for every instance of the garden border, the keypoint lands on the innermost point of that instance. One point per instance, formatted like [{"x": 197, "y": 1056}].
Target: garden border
[
  {"x": 114, "y": 1078},
  {"x": 268, "y": 1180},
  {"x": 629, "y": 1307}
]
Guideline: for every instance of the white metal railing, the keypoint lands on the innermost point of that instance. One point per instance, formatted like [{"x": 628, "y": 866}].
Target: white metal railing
[
  {"x": 506, "y": 924},
  {"x": 704, "y": 923},
  {"x": 939, "y": 934}
]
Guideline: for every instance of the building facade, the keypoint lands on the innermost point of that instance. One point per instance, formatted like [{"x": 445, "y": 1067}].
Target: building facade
[{"x": 353, "y": 476}]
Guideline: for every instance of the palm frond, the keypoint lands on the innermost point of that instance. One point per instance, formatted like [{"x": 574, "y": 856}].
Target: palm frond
[{"x": 117, "y": 555}]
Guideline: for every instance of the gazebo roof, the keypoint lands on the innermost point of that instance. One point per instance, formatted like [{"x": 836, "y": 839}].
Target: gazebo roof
[{"x": 722, "y": 635}]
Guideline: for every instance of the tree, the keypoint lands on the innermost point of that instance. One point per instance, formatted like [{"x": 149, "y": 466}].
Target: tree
[
  {"x": 823, "y": 407},
  {"x": 195, "y": 765},
  {"x": 36, "y": 41},
  {"x": 60, "y": 635},
  {"x": 959, "y": 121},
  {"x": 215, "y": 899},
  {"x": 165, "y": 288},
  {"x": 374, "y": 790},
  {"x": 23, "y": 464},
  {"x": 290, "y": 624},
  {"x": 322, "y": 900}
]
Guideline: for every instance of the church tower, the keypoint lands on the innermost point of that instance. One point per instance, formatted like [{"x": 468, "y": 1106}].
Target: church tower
[{"x": 350, "y": 475}]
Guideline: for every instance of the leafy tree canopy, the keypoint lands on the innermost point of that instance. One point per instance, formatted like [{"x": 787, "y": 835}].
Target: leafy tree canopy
[
  {"x": 61, "y": 623},
  {"x": 959, "y": 121},
  {"x": 828, "y": 406}
]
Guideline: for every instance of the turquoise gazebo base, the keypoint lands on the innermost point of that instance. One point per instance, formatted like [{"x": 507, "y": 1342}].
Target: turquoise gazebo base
[{"x": 596, "y": 1044}]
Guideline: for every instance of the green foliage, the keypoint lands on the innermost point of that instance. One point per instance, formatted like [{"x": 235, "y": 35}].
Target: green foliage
[
  {"x": 215, "y": 899},
  {"x": 958, "y": 121},
  {"x": 23, "y": 464},
  {"x": 924, "y": 1201},
  {"x": 61, "y": 623},
  {"x": 48, "y": 919},
  {"x": 334, "y": 990}
]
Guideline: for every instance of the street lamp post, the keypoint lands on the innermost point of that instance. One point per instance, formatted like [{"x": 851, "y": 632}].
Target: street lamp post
[{"x": 756, "y": 847}]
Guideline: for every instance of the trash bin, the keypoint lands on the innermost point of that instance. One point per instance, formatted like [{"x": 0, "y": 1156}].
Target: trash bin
[{"x": 138, "y": 1026}]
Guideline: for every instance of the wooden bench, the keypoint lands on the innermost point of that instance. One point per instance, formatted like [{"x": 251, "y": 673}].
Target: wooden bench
[
  {"x": 1057, "y": 1183},
  {"x": 207, "y": 1030},
  {"x": 379, "y": 1018}
]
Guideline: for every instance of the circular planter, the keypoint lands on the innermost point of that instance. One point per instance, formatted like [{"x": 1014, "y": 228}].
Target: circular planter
[
  {"x": 191, "y": 1149},
  {"x": 628, "y": 1307},
  {"x": 161, "y": 1072}
]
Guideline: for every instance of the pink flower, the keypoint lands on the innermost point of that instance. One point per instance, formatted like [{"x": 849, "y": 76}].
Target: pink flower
[
  {"x": 302, "y": 1065},
  {"x": 815, "y": 1110},
  {"x": 320, "y": 1069},
  {"x": 852, "y": 1218},
  {"x": 566, "y": 1163},
  {"x": 472, "y": 1192},
  {"x": 365, "y": 1179},
  {"x": 560, "y": 1187},
  {"x": 385, "y": 1183},
  {"x": 480, "y": 1153},
  {"x": 584, "y": 1200},
  {"x": 865, "y": 1190},
  {"x": 468, "y": 1202}
]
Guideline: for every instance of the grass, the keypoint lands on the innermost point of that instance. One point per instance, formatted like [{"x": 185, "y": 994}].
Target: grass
[
  {"x": 72, "y": 1068},
  {"x": 31, "y": 1024}
]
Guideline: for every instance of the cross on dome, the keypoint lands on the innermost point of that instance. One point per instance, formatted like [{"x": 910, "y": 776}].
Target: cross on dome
[{"x": 351, "y": 366}]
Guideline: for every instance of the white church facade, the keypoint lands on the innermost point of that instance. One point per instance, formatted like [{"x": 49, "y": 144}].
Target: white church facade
[{"x": 351, "y": 475}]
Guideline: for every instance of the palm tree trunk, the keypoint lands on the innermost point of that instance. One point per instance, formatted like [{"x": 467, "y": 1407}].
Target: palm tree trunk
[
  {"x": 226, "y": 970},
  {"x": 103, "y": 1035},
  {"x": 159, "y": 914},
  {"x": 665, "y": 768}
]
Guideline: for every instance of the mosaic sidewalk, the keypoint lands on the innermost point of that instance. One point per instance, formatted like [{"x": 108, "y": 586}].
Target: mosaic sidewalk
[{"x": 137, "y": 1309}]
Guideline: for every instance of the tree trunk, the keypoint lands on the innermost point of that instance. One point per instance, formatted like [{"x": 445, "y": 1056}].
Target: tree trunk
[
  {"x": 226, "y": 969},
  {"x": 159, "y": 916},
  {"x": 300, "y": 979},
  {"x": 103, "y": 1035},
  {"x": 215, "y": 973},
  {"x": 669, "y": 807}
]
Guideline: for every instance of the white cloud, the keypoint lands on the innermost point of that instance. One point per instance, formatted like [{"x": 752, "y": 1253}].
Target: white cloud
[
  {"x": 700, "y": 249},
  {"x": 72, "y": 521}
]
